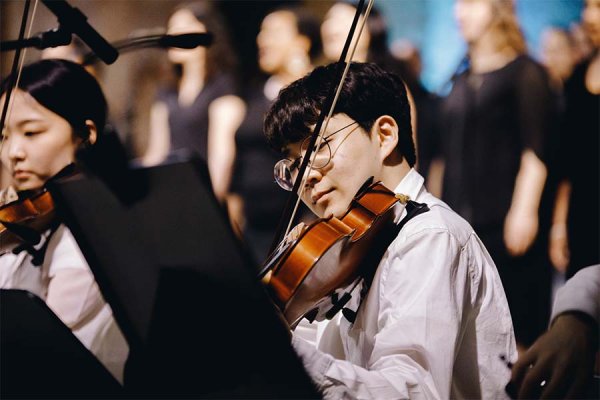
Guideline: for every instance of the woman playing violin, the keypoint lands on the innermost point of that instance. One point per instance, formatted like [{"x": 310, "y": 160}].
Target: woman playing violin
[
  {"x": 57, "y": 108},
  {"x": 433, "y": 319}
]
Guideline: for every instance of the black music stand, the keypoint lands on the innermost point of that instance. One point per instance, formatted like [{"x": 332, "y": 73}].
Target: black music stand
[
  {"x": 182, "y": 289},
  {"x": 40, "y": 356}
]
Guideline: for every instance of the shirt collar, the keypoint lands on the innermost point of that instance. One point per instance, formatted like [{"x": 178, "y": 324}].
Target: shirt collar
[{"x": 412, "y": 186}]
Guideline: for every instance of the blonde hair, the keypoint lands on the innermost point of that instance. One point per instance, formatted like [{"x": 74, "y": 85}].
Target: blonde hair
[{"x": 507, "y": 25}]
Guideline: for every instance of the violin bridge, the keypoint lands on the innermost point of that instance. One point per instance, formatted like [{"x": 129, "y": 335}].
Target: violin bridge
[{"x": 404, "y": 198}]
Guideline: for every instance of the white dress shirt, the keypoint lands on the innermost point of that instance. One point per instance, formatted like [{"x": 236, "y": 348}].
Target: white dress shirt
[
  {"x": 432, "y": 325},
  {"x": 580, "y": 293},
  {"x": 66, "y": 283}
]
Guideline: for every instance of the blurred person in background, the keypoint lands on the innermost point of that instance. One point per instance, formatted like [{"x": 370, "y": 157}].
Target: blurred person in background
[
  {"x": 497, "y": 117},
  {"x": 373, "y": 47},
  {"x": 288, "y": 43},
  {"x": 558, "y": 54},
  {"x": 74, "y": 51},
  {"x": 427, "y": 105},
  {"x": 201, "y": 112},
  {"x": 574, "y": 236}
]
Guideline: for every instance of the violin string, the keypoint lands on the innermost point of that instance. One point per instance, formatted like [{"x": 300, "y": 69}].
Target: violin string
[
  {"x": 329, "y": 115},
  {"x": 18, "y": 78}
]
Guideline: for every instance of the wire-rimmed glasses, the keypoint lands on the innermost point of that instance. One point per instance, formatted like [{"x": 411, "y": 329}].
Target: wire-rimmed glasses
[{"x": 286, "y": 170}]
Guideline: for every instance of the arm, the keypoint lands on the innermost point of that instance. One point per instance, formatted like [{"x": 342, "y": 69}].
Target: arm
[
  {"x": 564, "y": 356},
  {"x": 417, "y": 317},
  {"x": 559, "y": 241},
  {"x": 159, "y": 135},
  {"x": 537, "y": 119},
  {"x": 73, "y": 294},
  {"x": 521, "y": 223},
  {"x": 225, "y": 115}
]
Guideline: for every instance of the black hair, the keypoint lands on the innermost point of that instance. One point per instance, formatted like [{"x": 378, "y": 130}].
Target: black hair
[
  {"x": 368, "y": 92},
  {"x": 66, "y": 89},
  {"x": 308, "y": 25}
]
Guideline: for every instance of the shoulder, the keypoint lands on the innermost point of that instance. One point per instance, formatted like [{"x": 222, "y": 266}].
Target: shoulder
[
  {"x": 439, "y": 220},
  {"x": 529, "y": 69}
]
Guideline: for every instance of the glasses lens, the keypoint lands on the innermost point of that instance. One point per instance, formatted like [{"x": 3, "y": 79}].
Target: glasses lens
[
  {"x": 321, "y": 159},
  {"x": 283, "y": 174}
]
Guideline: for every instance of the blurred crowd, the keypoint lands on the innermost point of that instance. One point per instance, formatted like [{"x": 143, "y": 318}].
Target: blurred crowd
[{"x": 513, "y": 148}]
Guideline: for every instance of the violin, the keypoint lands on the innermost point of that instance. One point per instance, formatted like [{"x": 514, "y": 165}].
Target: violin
[
  {"x": 328, "y": 257},
  {"x": 23, "y": 220}
]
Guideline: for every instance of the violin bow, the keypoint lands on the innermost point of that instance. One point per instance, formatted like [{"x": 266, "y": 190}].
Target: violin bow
[
  {"x": 15, "y": 73},
  {"x": 325, "y": 114}
]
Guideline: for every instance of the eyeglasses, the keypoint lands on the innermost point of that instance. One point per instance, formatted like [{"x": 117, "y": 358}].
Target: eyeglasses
[{"x": 286, "y": 170}]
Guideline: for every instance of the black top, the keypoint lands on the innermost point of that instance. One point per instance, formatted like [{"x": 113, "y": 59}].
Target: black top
[
  {"x": 253, "y": 178},
  {"x": 488, "y": 121},
  {"x": 188, "y": 125},
  {"x": 578, "y": 161}
]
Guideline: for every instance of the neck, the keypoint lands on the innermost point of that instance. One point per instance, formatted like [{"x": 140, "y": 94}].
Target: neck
[
  {"x": 192, "y": 82},
  {"x": 486, "y": 55},
  {"x": 392, "y": 175}
]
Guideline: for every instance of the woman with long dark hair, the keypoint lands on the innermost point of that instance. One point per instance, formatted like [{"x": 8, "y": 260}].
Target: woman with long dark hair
[{"x": 57, "y": 110}]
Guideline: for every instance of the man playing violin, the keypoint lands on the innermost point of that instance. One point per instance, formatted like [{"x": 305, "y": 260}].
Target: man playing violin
[
  {"x": 57, "y": 108},
  {"x": 433, "y": 319}
]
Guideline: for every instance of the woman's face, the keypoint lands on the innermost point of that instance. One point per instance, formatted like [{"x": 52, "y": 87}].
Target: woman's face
[
  {"x": 557, "y": 53},
  {"x": 184, "y": 21},
  {"x": 335, "y": 29},
  {"x": 474, "y": 18},
  {"x": 591, "y": 20},
  {"x": 276, "y": 41},
  {"x": 37, "y": 143}
]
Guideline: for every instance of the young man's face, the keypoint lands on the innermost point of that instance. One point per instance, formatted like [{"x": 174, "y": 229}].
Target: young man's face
[{"x": 355, "y": 157}]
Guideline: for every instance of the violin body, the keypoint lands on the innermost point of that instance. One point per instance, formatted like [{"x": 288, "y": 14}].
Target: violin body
[
  {"x": 329, "y": 254},
  {"x": 30, "y": 214}
]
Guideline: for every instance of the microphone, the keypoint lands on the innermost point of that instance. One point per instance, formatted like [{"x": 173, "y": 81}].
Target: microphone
[
  {"x": 186, "y": 40},
  {"x": 75, "y": 21}
]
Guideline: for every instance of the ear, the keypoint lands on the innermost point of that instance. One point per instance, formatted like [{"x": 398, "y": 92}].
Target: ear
[
  {"x": 91, "y": 127},
  {"x": 385, "y": 130}
]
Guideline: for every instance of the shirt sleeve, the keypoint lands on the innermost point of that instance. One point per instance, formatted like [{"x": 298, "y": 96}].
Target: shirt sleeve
[
  {"x": 537, "y": 109},
  {"x": 73, "y": 294},
  {"x": 422, "y": 294},
  {"x": 580, "y": 293}
]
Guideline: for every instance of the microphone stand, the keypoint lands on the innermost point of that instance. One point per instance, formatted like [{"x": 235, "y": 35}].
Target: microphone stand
[
  {"x": 183, "y": 41},
  {"x": 70, "y": 21},
  {"x": 53, "y": 38}
]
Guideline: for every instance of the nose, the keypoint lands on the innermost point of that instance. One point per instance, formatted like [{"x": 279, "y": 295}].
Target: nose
[
  {"x": 13, "y": 148},
  {"x": 313, "y": 177}
]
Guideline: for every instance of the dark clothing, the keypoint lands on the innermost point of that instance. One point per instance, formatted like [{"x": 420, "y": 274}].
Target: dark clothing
[
  {"x": 188, "y": 125},
  {"x": 253, "y": 178},
  {"x": 489, "y": 120},
  {"x": 579, "y": 160},
  {"x": 428, "y": 131}
]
